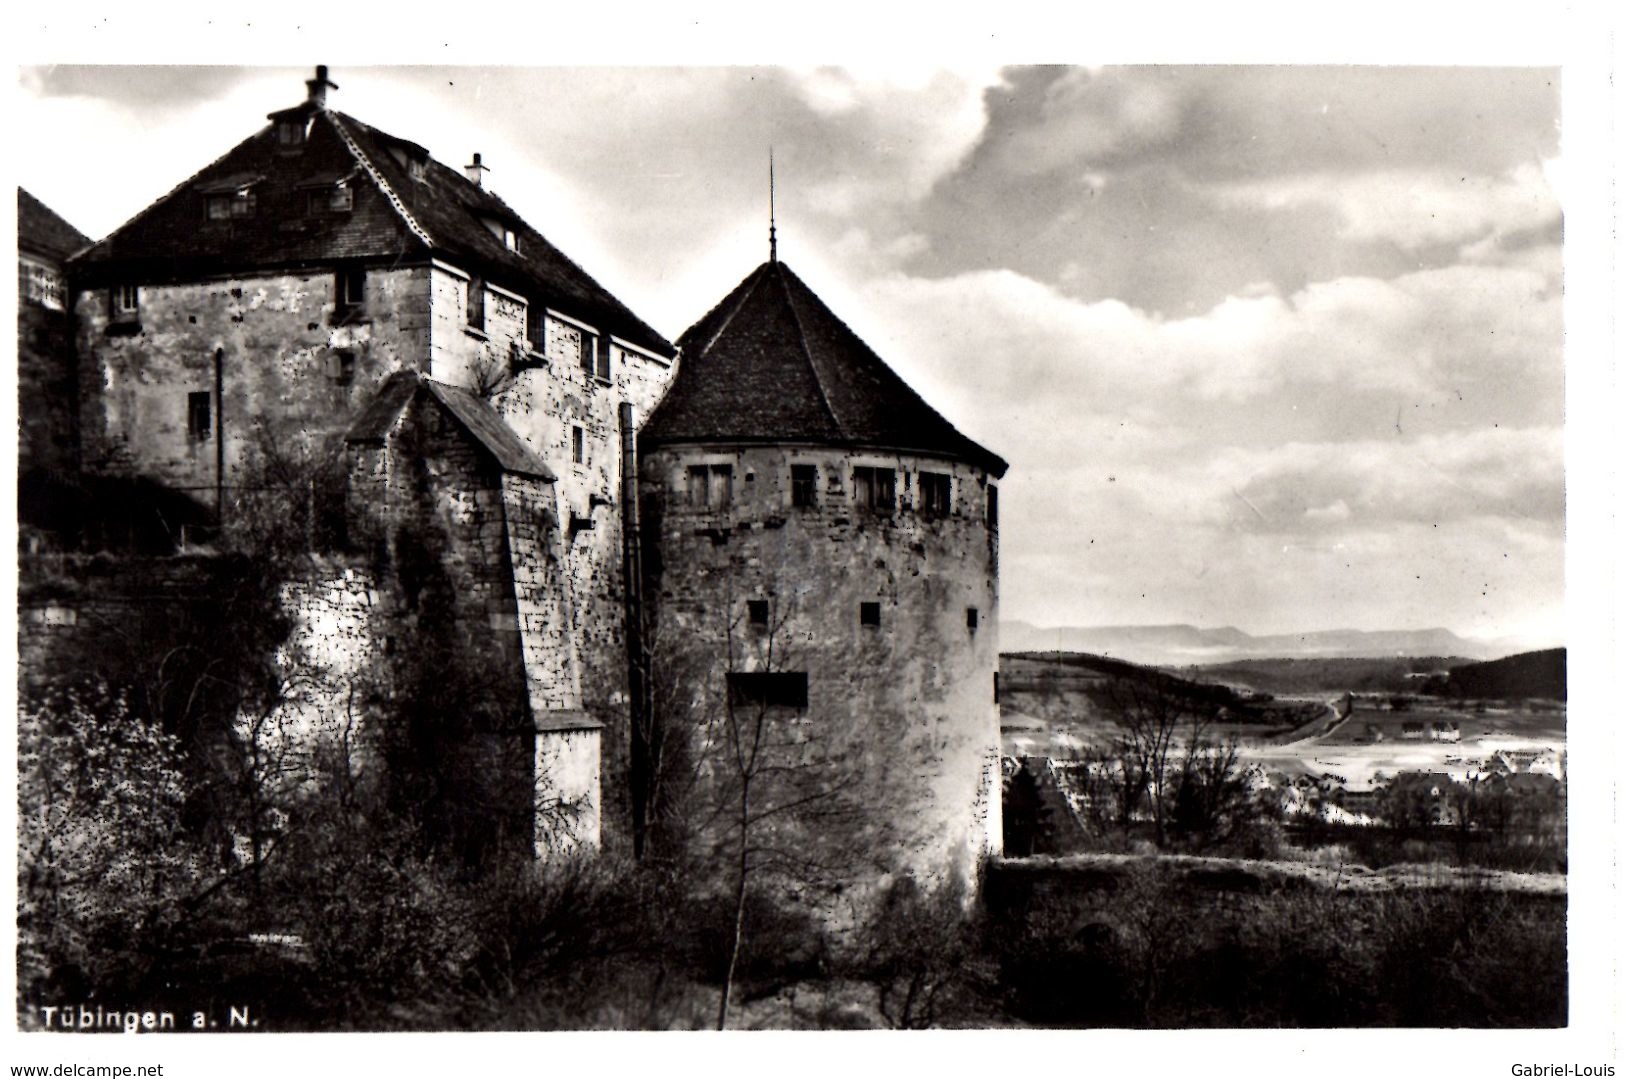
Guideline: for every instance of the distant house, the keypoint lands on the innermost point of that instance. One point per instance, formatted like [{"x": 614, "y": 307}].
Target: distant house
[
  {"x": 1412, "y": 731},
  {"x": 1374, "y": 732},
  {"x": 1446, "y": 730}
]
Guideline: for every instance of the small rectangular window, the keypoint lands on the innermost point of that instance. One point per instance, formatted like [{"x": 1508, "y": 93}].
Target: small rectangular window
[
  {"x": 578, "y": 446},
  {"x": 474, "y": 312},
  {"x": 992, "y": 506},
  {"x": 869, "y": 614},
  {"x": 757, "y": 609},
  {"x": 782, "y": 689},
  {"x": 536, "y": 326},
  {"x": 719, "y": 493},
  {"x": 341, "y": 366},
  {"x": 126, "y": 302},
  {"x": 936, "y": 494},
  {"x": 875, "y": 488},
  {"x": 970, "y": 619},
  {"x": 595, "y": 355},
  {"x": 199, "y": 422},
  {"x": 351, "y": 290},
  {"x": 710, "y": 486},
  {"x": 803, "y": 485}
]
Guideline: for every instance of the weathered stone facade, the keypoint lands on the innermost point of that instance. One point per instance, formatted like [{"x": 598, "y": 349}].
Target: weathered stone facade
[
  {"x": 327, "y": 303},
  {"x": 904, "y": 691},
  {"x": 282, "y": 366}
]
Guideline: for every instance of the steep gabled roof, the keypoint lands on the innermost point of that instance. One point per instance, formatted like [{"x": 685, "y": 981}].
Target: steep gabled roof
[
  {"x": 398, "y": 213},
  {"x": 453, "y": 211},
  {"x": 772, "y": 363},
  {"x": 43, "y": 231},
  {"x": 473, "y": 414}
]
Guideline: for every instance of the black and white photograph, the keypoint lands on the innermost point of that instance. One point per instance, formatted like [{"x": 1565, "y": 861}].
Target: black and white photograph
[{"x": 980, "y": 541}]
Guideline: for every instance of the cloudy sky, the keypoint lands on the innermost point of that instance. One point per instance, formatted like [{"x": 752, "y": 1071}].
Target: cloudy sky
[{"x": 1271, "y": 347}]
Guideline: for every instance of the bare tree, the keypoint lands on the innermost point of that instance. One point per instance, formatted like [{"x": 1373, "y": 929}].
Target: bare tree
[
  {"x": 757, "y": 793},
  {"x": 1167, "y": 759}
]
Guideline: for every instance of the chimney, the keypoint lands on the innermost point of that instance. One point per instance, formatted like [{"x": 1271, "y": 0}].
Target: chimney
[
  {"x": 475, "y": 172},
  {"x": 317, "y": 88}
]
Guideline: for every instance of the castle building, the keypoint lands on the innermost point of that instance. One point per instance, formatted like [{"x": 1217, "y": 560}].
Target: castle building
[
  {"x": 46, "y": 444},
  {"x": 822, "y": 539},
  {"x": 328, "y": 301},
  {"x": 326, "y": 327}
]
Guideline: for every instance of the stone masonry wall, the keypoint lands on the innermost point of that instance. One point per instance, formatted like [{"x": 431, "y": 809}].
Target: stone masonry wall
[
  {"x": 286, "y": 383},
  {"x": 494, "y": 538},
  {"x": 911, "y": 699},
  {"x": 544, "y": 400},
  {"x": 46, "y": 388},
  {"x": 542, "y": 596}
]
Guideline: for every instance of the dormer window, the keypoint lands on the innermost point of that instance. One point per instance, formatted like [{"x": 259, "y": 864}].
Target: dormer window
[
  {"x": 291, "y": 131},
  {"x": 227, "y": 206},
  {"x": 339, "y": 198},
  {"x": 411, "y": 157},
  {"x": 504, "y": 233},
  {"x": 229, "y": 197}
]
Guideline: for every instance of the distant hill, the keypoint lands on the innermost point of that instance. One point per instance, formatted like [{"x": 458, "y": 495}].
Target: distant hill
[
  {"x": 1388, "y": 674},
  {"x": 1542, "y": 675},
  {"x": 1051, "y": 703},
  {"x": 1184, "y": 646}
]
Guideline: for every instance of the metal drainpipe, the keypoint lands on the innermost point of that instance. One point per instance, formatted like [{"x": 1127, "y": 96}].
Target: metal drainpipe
[
  {"x": 219, "y": 438},
  {"x": 636, "y": 661}
]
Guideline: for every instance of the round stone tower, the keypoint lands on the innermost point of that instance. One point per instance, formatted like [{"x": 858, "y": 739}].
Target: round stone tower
[{"x": 821, "y": 547}]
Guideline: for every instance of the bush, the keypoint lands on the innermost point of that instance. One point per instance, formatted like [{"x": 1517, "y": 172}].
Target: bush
[
  {"x": 914, "y": 950},
  {"x": 106, "y": 875}
]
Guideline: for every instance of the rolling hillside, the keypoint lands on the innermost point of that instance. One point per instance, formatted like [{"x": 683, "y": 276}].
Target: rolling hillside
[
  {"x": 1184, "y": 645},
  {"x": 1052, "y": 702},
  {"x": 1531, "y": 675},
  {"x": 1392, "y": 674}
]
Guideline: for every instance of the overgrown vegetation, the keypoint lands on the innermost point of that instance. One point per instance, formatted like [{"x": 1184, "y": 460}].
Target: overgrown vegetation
[{"x": 1149, "y": 943}]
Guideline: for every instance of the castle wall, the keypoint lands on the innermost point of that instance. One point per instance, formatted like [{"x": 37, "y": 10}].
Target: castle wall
[
  {"x": 545, "y": 400},
  {"x": 46, "y": 388},
  {"x": 295, "y": 368},
  {"x": 457, "y": 528},
  {"x": 569, "y": 808},
  {"x": 907, "y": 704}
]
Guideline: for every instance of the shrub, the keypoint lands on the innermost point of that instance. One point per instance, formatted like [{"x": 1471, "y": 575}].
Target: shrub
[
  {"x": 914, "y": 949},
  {"x": 106, "y": 874}
]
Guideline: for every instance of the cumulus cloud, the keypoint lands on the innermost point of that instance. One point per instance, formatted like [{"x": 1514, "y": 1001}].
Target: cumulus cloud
[
  {"x": 1370, "y": 485},
  {"x": 992, "y": 339},
  {"x": 1277, "y": 347},
  {"x": 1412, "y": 208}
]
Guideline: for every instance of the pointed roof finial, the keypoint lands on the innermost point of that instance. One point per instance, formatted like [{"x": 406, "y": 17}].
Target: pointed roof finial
[{"x": 772, "y": 225}]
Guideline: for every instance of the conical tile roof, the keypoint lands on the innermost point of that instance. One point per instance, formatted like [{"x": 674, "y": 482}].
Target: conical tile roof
[{"x": 772, "y": 363}]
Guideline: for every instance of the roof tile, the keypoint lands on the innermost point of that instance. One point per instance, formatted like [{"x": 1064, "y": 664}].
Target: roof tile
[{"x": 772, "y": 363}]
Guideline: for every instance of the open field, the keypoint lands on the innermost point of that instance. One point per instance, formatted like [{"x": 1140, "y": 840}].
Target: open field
[
  {"x": 1061, "y": 705},
  {"x": 1372, "y": 744}
]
